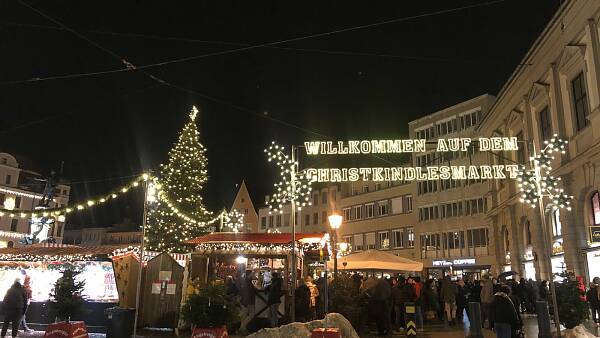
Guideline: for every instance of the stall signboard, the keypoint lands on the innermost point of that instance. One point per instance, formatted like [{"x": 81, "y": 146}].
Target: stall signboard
[
  {"x": 595, "y": 234},
  {"x": 461, "y": 261},
  {"x": 420, "y": 173}
]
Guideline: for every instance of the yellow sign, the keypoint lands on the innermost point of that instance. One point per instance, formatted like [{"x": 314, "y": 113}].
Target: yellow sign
[{"x": 410, "y": 309}]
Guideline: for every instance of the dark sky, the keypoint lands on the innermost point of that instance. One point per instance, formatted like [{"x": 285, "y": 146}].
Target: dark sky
[{"x": 363, "y": 83}]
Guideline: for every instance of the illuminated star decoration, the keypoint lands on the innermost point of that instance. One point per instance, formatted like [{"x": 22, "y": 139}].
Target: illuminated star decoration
[
  {"x": 233, "y": 221},
  {"x": 284, "y": 192},
  {"x": 537, "y": 183}
]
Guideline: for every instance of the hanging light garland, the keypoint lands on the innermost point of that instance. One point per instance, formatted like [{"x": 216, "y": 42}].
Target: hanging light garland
[
  {"x": 60, "y": 212},
  {"x": 285, "y": 191},
  {"x": 536, "y": 183}
]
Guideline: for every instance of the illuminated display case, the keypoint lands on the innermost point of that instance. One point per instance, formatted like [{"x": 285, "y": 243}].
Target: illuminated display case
[{"x": 100, "y": 285}]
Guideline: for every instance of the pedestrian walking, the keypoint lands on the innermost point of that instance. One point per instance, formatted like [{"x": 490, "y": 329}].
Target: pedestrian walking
[
  {"x": 462, "y": 301},
  {"x": 593, "y": 299},
  {"x": 28, "y": 296},
  {"x": 274, "y": 298},
  {"x": 486, "y": 296},
  {"x": 504, "y": 318},
  {"x": 449, "y": 292},
  {"x": 314, "y": 294},
  {"x": 14, "y": 302}
]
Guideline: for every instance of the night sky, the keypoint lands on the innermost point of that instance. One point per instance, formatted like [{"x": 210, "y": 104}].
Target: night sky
[{"x": 363, "y": 83}]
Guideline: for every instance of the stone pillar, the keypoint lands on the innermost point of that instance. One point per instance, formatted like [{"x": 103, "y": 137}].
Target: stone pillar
[
  {"x": 574, "y": 231},
  {"x": 496, "y": 246},
  {"x": 516, "y": 241}
]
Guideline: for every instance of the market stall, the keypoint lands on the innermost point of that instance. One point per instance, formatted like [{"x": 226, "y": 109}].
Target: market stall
[
  {"x": 259, "y": 255},
  {"x": 43, "y": 264}
]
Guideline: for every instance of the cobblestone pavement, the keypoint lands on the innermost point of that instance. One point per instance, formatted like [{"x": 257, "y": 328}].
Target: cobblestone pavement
[{"x": 430, "y": 331}]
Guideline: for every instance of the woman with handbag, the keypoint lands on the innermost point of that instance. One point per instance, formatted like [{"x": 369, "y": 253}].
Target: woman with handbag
[{"x": 504, "y": 318}]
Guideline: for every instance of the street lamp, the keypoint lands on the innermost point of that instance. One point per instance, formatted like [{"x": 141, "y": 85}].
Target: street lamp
[{"x": 335, "y": 221}]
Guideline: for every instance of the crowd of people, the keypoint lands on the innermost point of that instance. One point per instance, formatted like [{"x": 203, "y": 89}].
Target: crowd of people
[
  {"x": 446, "y": 300},
  {"x": 442, "y": 300}
]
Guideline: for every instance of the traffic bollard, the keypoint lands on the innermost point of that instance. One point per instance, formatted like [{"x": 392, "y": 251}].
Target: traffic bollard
[
  {"x": 475, "y": 320},
  {"x": 410, "y": 318},
  {"x": 543, "y": 317}
]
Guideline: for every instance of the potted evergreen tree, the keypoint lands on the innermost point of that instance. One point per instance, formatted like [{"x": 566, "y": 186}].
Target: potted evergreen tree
[
  {"x": 572, "y": 307},
  {"x": 210, "y": 312},
  {"x": 67, "y": 301}
]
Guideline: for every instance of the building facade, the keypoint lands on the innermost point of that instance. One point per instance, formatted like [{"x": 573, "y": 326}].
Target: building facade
[
  {"x": 243, "y": 204},
  {"x": 21, "y": 190},
  {"x": 452, "y": 227},
  {"x": 124, "y": 233},
  {"x": 379, "y": 215},
  {"x": 555, "y": 90}
]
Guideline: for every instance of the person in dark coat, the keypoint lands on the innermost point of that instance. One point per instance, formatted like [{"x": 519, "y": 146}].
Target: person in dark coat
[
  {"x": 248, "y": 295},
  {"x": 462, "y": 300},
  {"x": 303, "y": 302},
  {"x": 378, "y": 293},
  {"x": 592, "y": 297},
  {"x": 402, "y": 293},
  {"x": 504, "y": 317},
  {"x": 14, "y": 302},
  {"x": 274, "y": 298}
]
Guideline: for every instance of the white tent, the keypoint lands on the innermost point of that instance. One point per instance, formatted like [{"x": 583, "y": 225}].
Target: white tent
[{"x": 376, "y": 260}]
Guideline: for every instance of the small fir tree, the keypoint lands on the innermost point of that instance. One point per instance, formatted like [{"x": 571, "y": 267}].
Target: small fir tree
[
  {"x": 67, "y": 299},
  {"x": 182, "y": 179},
  {"x": 211, "y": 307},
  {"x": 570, "y": 298},
  {"x": 345, "y": 299}
]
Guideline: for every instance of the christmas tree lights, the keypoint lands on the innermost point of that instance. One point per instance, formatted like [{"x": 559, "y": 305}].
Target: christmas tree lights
[
  {"x": 179, "y": 214},
  {"x": 536, "y": 183}
]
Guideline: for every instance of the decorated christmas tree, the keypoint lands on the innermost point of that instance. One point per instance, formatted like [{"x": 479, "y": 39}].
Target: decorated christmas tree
[
  {"x": 67, "y": 299},
  {"x": 179, "y": 213}
]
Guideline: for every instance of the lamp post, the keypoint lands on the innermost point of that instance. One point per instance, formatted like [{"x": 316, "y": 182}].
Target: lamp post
[
  {"x": 335, "y": 221},
  {"x": 536, "y": 183}
]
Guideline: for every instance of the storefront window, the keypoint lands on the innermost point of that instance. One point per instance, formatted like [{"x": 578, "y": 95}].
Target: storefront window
[
  {"x": 596, "y": 208},
  {"x": 527, "y": 233}
]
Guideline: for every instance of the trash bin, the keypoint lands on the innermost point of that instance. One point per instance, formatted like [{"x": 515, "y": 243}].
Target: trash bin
[{"x": 120, "y": 322}]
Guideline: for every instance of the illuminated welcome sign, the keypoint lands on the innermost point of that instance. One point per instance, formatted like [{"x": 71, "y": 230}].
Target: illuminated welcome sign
[{"x": 457, "y": 172}]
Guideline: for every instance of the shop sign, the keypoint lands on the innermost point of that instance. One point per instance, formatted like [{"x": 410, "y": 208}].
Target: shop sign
[
  {"x": 595, "y": 233},
  {"x": 462, "y": 261}
]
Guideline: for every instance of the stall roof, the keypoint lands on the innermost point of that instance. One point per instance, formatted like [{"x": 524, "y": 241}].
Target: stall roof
[
  {"x": 256, "y": 238},
  {"x": 58, "y": 250}
]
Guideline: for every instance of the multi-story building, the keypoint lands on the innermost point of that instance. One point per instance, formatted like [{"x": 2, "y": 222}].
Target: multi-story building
[
  {"x": 243, "y": 204},
  {"x": 379, "y": 215},
  {"x": 21, "y": 190},
  {"x": 453, "y": 234},
  {"x": 554, "y": 90},
  {"x": 310, "y": 219},
  {"x": 117, "y": 234}
]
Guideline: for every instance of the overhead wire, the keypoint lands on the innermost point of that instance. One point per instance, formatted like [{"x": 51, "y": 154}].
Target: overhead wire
[
  {"x": 130, "y": 66},
  {"x": 231, "y": 43}
]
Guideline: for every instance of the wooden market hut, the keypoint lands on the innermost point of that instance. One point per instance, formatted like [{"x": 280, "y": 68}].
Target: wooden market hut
[{"x": 215, "y": 248}]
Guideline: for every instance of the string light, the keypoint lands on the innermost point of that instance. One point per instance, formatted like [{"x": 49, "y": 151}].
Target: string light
[
  {"x": 233, "y": 221},
  {"x": 285, "y": 191},
  {"x": 537, "y": 183}
]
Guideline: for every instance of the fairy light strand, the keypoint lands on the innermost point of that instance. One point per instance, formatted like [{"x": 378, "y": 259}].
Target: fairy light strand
[
  {"x": 536, "y": 182},
  {"x": 284, "y": 191}
]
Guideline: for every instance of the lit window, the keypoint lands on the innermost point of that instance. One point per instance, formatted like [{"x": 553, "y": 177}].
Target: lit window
[
  {"x": 556, "y": 224},
  {"x": 596, "y": 208}
]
